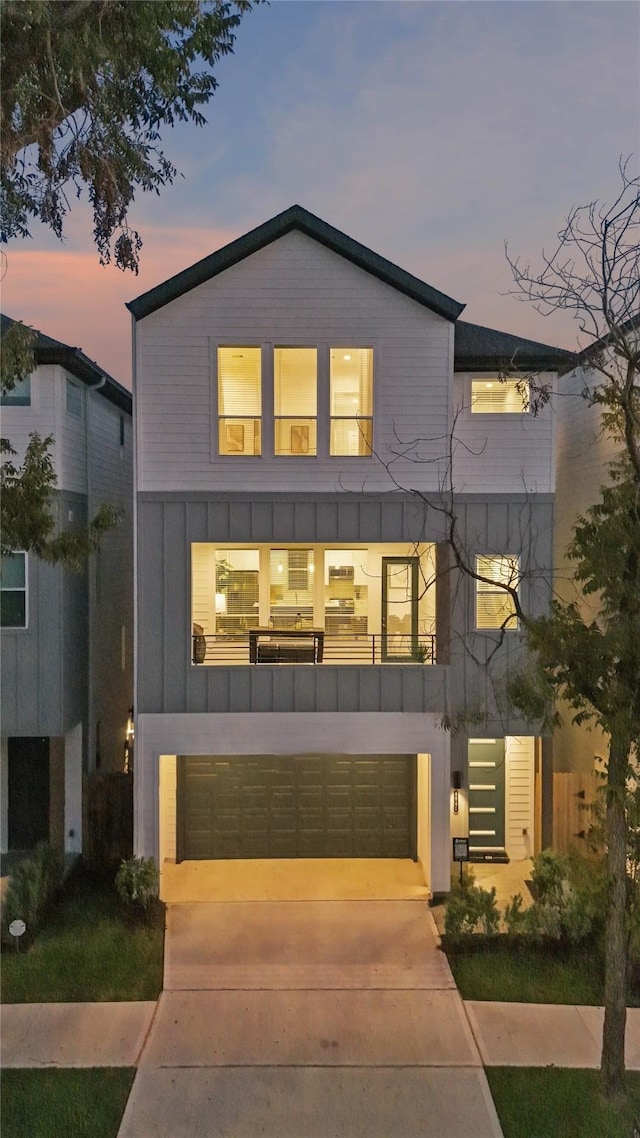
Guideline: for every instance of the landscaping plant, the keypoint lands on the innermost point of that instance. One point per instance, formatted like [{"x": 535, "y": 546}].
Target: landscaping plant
[
  {"x": 32, "y": 887},
  {"x": 137, "y": 882}
]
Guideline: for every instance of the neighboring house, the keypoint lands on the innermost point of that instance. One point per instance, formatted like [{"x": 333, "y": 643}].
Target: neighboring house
[
  {"x": 66, "y": 637},
  {"x": 301, "y": 636},
  {"x": 585, "y": 451}
]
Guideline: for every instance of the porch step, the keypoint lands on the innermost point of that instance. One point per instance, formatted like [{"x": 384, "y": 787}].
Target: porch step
[{"x": 482, "y": 857}]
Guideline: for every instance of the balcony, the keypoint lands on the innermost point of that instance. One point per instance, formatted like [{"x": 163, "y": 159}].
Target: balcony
[{"x": 311, "y": 646}]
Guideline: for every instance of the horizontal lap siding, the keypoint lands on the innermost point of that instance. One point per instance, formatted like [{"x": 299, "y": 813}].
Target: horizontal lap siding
[
  {"x": 294, "y": 291},
  {"x": 495, "y": 453}
]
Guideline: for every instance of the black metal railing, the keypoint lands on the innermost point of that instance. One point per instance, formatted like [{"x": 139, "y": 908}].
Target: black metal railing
[{"x": 312, "y": 646}]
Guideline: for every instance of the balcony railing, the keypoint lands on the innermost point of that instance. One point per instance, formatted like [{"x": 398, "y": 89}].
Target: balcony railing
[{"x": 311, "y": 646}]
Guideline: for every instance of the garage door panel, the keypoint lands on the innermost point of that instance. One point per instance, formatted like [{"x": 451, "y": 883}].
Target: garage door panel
[{"x": 288, "y": 806}]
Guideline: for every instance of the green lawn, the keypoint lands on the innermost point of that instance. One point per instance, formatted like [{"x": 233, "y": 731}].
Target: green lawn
[
  {"x": 88, "y": 949},
  {"x": 501, "y": 971},
  {"x": 549, "y": 1102},
  {"x": 78, "y": 1103}
]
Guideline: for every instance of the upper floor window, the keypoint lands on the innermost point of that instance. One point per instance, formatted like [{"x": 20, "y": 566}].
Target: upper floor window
[
  {"x": 13, "y": 590},
  {"x": 495, "y": 606},
  {"x": 351, "y": 401},
  {"x": 295, "y": 400},
  {"x": 499, "y": 397},
  {"x": 74, "y": 399},
  {"x": 239, "y": 401},
  {"x": 20, "y": 394}
]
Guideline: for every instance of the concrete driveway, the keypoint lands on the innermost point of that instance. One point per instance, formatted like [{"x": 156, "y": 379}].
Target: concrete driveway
[{"x": 308, "y": 1020}]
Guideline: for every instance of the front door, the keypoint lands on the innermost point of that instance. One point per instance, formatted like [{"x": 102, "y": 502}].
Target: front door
[
  {"x": 28, "y": 792},
  {"x": 399, "y": 607},
  {"x": 486, "y": 797}
]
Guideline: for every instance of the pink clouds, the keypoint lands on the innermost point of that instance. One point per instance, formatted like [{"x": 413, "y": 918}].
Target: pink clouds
[{"x": 68, "y": 295}]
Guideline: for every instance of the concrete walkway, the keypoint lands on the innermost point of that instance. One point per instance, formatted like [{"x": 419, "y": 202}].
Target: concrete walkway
[
  {"x": 114, "y": 1035},
  {"x": 74, "y": 1035}
]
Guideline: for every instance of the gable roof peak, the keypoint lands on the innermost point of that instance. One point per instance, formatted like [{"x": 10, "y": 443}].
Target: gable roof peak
[{"x": 299, "y": 218}]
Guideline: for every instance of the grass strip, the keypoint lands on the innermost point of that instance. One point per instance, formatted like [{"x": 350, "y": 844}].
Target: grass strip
[
  {"x": 57, "y": 1103},
  {"x": 89, "y": 949},
  {"x": 554, "y": 1102},
  {"x": 526, "y": 974}
]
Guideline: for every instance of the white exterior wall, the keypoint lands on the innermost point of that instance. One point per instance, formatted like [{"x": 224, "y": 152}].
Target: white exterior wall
[
  {"x": 502, "y": 453},
  {"x": 41, "y": 417},
  {"x": 519, "y": 795},
  {"x": 47, "y": 415},
  {"x": 293, "y": 292},
  {"x": 288, "y": 734}
]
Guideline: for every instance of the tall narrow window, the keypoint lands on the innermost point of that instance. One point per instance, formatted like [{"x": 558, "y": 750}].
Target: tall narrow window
[
  {"x": 74, "y": 399},
  {"x": 20, "y": 394},
  {"x": 239, "y": 401},
  {"x": 295, "y": 397},
  {"x": 291, "y": 588},
  {"x": 13, "y": 590},
  {"x": 495, "y": 607},
  {"x": 237, "y": 590},
  {"x": 499, "y": 397},
  {"x": 351, "y": 384}
]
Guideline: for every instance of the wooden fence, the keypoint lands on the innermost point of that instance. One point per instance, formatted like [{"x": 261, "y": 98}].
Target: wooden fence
[
  {"x": 572, "y": 794},
  {"x": 109, "y": 829}
]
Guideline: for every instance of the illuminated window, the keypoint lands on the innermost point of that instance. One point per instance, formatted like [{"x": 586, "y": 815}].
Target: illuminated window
[
  {"x": 13, "y": 590},
  {"x": 291, "y": 588},
  {"x": 499, "y": 397},
  {"x": 351, "y": 401},
  {"x": 20, "y": 394},
  {"x": 239, "y": 401},
  {"x": 495, "y": 607},
  {"x": 295, "y": 396},
  {"x": 236, "y": 594}
]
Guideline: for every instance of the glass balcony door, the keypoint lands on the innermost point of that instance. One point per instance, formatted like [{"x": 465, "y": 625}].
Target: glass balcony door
[{"x": 399, "y": 607}]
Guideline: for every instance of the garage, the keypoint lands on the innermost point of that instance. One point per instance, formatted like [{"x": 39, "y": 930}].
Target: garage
[{"x": 288, "y": 806}]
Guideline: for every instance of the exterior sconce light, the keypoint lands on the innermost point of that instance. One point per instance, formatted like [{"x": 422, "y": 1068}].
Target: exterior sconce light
[
  {"x": 456, "y": 782},
  {"x": 128, "y": 743}
]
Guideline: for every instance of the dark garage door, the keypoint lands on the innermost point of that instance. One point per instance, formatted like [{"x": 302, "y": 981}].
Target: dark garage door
[{"x": 266, "y": 806}]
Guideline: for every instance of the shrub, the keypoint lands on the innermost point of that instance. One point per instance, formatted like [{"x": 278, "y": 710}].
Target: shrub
[
  {"x": 31, "y": 889},
  {"x": 137, "y": 882},
  {"x": 560, "y": 911},
  {"x": 471, "y": 909}
]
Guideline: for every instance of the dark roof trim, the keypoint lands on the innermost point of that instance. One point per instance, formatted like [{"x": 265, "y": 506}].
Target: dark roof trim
[
  {"x": 483, "y": 349},
  {"x": 295, "y": 218},
  {"x": 50, "y": 351},
  {"x": 583, "y": 357}
]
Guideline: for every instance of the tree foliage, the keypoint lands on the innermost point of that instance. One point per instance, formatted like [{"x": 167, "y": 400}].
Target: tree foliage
[
  {"x": 87, "y": 86},
  {"x": 593, "y": 662}
]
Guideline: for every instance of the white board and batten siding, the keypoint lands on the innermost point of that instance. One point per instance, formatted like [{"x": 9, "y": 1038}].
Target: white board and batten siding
[
  {"x": 519, "y": 795},
  {"x": 497, "y": 453},
  {"x": 293, "y": 292}
]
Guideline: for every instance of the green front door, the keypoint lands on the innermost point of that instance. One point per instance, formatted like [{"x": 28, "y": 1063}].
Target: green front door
[
  {"x": 399, "y": 607},
  {"x": 486, "y": 796}
]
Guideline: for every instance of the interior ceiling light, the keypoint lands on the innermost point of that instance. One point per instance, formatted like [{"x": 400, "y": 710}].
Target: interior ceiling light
[{"x": 346, "y": 357}]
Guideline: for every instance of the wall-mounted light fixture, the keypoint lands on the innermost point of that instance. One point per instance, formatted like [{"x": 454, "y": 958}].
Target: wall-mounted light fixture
[{"x": 456, "y": 783}]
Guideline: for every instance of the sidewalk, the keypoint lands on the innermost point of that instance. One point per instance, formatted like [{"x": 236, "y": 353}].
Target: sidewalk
[{"x": 114, "y": 1035}]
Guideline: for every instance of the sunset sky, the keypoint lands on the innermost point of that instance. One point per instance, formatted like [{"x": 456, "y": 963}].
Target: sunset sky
[{"x": 428, "y": 131}]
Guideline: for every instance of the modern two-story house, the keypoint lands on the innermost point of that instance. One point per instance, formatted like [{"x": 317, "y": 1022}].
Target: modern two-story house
[
  {"x": 66, "y": 637},
  {"x": 312, "y": 676}
]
